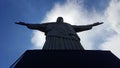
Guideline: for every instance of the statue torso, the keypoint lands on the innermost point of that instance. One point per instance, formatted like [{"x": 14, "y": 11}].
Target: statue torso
[{"x": 61, "y": 30}]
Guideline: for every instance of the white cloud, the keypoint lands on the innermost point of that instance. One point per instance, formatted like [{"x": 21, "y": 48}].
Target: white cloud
[
  {"x": 113, "y": 16},
  {"x": 38, "y": 39},
  {"x": 104, "y": 37}
]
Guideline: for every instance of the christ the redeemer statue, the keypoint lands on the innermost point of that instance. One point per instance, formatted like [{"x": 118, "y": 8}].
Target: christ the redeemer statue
[{"x": 60, "y": 35}]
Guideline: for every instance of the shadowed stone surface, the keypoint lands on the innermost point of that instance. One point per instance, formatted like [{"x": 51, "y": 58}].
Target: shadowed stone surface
[{"x": 66, "y": 59}]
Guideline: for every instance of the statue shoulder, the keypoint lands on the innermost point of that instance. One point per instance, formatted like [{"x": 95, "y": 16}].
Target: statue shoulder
[
  {"x": 48, "y": 23},
  {"x": 67, "y": 24}
]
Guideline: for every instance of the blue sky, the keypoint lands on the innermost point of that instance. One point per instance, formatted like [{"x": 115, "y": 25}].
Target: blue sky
[{"x": 15, "y": 39}]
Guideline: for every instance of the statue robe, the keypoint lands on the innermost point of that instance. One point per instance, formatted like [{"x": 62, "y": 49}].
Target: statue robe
[{"x": 61, "y": 36}]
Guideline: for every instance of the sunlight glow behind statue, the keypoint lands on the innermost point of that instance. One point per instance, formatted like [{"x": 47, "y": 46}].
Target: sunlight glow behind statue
[{"x": 61, "y": 35}]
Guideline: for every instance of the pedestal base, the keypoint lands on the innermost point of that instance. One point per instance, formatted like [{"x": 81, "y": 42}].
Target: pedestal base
[{"x": 66, "y": 59}]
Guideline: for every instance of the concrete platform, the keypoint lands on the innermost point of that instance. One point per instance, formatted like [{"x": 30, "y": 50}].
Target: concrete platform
[{"x": 66, "y": 59}]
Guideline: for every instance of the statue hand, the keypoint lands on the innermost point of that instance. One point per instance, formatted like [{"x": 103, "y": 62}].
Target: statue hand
[
  {"x": 97, "y": 23},
  {"x": 20, "y": 23}
]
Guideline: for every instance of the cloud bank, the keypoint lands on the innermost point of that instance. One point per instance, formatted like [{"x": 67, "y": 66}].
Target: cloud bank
[
  {"x": 113, "y": 16},
  {"x": 103, "y": 37}
]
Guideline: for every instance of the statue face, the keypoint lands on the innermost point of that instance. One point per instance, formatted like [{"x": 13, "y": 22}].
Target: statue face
[{"x": 59, "y": 20}]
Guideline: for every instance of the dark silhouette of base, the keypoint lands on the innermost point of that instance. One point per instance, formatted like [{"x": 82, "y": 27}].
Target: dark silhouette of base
[{"x": 67, "y": 59}]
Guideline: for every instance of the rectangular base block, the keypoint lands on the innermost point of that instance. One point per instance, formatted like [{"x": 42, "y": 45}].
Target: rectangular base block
[{"x": 66, "y": 59}]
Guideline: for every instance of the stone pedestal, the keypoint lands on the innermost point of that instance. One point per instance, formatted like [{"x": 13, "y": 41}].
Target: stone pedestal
[{"x": 67, "y": 59}]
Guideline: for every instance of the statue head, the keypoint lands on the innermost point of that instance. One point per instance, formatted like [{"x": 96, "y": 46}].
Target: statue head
[{"x": 59, "y": 20}]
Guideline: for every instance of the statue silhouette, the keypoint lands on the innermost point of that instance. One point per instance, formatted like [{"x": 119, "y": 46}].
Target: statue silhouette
[{"x": 60, "y": 35}]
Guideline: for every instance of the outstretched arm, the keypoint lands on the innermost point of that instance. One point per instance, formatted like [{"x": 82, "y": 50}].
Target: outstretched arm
[
  {"x": 96, "y": 24},
  {"x": 86, "y": 27},
  {"x": 40, "y": 27}
]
